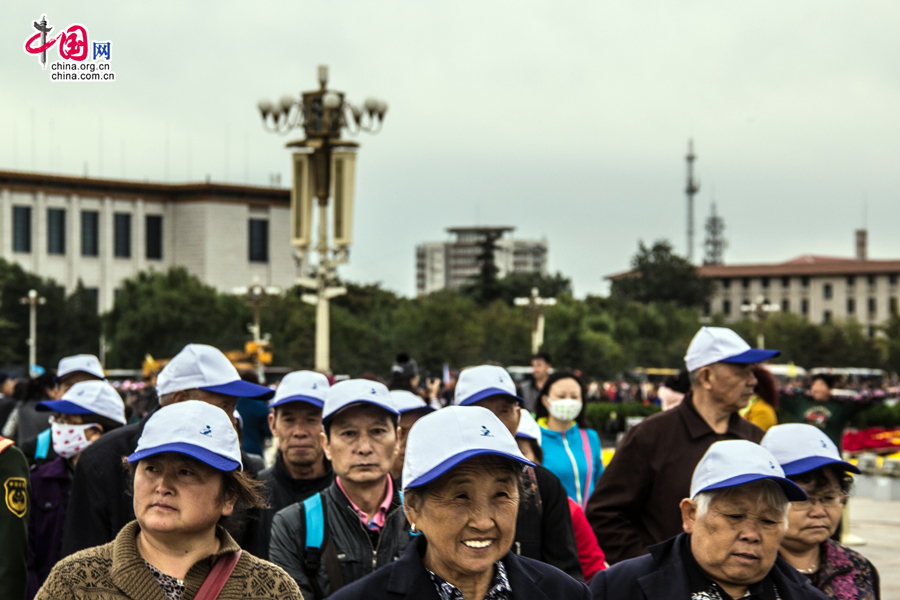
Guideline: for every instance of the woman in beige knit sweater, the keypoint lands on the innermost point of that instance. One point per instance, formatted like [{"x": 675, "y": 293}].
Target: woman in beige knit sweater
[{"x": 187, "y": 476}]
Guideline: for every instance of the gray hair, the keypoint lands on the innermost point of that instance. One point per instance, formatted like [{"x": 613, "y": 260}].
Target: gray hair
[
  {"x": 769, "y": 493},
  {"x": 694, "y": 376}
]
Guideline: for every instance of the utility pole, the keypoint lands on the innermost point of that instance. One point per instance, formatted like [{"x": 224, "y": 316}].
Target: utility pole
[
  {"x": 32, "y": 300},
  {"x": 536, "y": 306},
  {"x": 692, "y": 188}
]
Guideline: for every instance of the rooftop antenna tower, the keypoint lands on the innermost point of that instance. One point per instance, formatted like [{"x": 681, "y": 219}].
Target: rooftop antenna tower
[
  {"x": 715, "y": 243},
  {"x": 692, "y": 188}
]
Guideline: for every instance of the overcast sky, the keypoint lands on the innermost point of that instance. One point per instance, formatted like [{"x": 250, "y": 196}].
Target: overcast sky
[{"x": 567, "y": 120}]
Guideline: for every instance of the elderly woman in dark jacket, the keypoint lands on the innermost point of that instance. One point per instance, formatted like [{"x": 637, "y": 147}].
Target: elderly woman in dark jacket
[
  {"x": 811, "y": 460},
  {"x": 462, "y": 480}
]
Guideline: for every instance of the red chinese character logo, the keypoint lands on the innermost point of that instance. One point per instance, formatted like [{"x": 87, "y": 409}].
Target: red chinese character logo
[{"x": 73, "y": 43}]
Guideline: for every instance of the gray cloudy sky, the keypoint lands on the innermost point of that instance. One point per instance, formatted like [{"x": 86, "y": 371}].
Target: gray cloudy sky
[{"x": 568, "y": 120}]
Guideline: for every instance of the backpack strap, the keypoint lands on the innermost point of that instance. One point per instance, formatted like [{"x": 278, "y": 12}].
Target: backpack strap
[
  {"x": 314, "y": 513},
  {"x": 43, "y": 445},
  {"x": 589, "y": 458}
]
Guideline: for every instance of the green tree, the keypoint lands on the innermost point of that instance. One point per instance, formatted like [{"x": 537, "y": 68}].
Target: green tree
[
  {"x": 485, "y": 288},
  {"x": 659, "y": 275},
  {"x": 159, "y": 313}
]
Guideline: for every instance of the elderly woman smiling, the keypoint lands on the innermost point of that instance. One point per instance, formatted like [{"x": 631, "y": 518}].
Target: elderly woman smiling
[
  {"x": 187, "y": 477},
  {"x": 463, "y": 482}
]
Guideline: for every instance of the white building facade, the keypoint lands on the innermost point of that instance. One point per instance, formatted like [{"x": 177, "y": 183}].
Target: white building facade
[
  {"x": 451, "y": 264},
  {"x": 102, "y": 232}
]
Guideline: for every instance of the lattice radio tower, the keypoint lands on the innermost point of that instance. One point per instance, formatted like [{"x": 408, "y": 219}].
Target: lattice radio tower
[
  {"x": 693, "y": 187},
  {"x": 715, "y": 243}
]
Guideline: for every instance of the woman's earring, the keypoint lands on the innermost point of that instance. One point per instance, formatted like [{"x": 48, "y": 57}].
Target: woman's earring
[{"x": 412, "y": 528}]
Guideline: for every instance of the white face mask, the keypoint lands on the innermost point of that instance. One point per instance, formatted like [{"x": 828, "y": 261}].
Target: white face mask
[
  {"x": 69, "y": 440},
  {"x": 565, "y": 410}
]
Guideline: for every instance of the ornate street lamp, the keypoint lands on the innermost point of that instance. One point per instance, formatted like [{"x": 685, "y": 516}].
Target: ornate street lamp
[
  {"x": 33, "y": 299},
  {"x": 324, "y": 166},
  {"x": 536, "y": 306},
  {"x": 760, "y": 310}
]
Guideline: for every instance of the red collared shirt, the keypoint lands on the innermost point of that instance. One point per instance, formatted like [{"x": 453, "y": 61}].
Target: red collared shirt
[{"x": 377, "y": 521}]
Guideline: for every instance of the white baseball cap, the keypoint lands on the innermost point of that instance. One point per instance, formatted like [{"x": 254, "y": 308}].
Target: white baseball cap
[
  {"x": 357, "y": 391},
  {"x": 477, "y": 383},
  {"x": 720, "y": 344},
  {"x": 445, "y": 438},
  {"x": 731, "y": 463},
  {"x": 194, "y": 428},
  {"x": 800, "y": 448},
  {"x": 86, "y": 398},
  {"x": 86, "y": 363},
  {"x": 206, "y": 368},
  {"x": 405, "y": 401},
  {"x": 528, "y": 427},
  {"x": 301, "y": 386}
]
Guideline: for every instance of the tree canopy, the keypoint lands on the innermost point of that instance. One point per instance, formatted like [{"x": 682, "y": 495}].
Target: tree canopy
[{"x": 659, "y": 275}]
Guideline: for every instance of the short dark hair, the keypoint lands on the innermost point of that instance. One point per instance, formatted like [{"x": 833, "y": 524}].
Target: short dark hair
[
  {"x": 105, "y": 422},
  {"x": 819, "y": 478},
  {"x": 826, "y": 379},
  {"x": 541, "y": 410},
  {"x": 766, "y": 386},
  {"x": 535, "y": 448},
  {"x": 544, "y": 356}
]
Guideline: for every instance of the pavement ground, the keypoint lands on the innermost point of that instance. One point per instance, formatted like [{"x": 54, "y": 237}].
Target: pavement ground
[{"x": 878, "y": 522}]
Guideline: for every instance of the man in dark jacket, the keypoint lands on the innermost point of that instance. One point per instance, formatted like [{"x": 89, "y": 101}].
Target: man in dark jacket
[
  {"x": 544, "y": 528},
  {"x": 361, "y": 522},
  {"x": 300, "y": 468},
  {"x": 635, "y": 503},
  {"x": 100, "y": 503},
  {"x": 733, "y": 522}
]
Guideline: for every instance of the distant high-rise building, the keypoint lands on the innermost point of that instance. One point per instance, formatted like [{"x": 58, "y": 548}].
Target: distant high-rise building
[{"x": 450, "y": 264}]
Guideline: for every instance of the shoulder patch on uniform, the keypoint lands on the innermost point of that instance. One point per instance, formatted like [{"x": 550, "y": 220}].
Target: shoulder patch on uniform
[{"x": 16, "y": 495}]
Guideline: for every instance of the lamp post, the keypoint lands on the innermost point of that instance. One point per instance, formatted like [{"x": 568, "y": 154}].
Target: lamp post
[
  {"x": 32, "y": 300},
  {"x": 324, "y": 167},
  {"x": 256, "y": 295},
  {"x": 536, "y": 306},
  {"x": 760, "y": 309}
]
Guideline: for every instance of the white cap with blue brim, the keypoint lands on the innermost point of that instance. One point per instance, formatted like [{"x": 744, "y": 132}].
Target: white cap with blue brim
[
  {"x": 484, "y": 381},
  {"x": 528, "y": 428},
  {"x": 301, "y": 386},
  {"x": 86, "y": 398},
  {"x": 356, "y": 391},
  {"x": 203, "y": 367},
  {"x": 720, "y": 344},
  {"x": 84, "y": 363},
  {"x": 800, "y": 448},
  {"x": 193, "y": 428},
  {"x": 405, "y": 401},
  {"x": 440, "y": 441},
  {"x": 731, "y": 463}
]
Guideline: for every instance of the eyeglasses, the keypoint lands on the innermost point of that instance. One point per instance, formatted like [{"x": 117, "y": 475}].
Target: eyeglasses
[{"x": 827, "y": 501}]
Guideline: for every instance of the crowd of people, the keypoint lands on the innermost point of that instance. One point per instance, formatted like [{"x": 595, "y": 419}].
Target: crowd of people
[{"x": 480, "y": 490}]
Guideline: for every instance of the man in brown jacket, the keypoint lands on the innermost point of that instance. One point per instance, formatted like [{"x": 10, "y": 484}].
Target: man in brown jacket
[{"x": 636, "y": 501}]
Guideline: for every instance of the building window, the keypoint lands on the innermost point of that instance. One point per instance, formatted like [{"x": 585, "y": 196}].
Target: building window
[
  {"x": 726, "y": 307},
  {"x": 826, "y": 291},
  {"x": 871, "y": 331},
  {"x": 259, "y": 240},
  {"x": 94, "y": 293},
  {"x": 892, "y": 279},
  {"x": 785, "y": 282},
  {"x": 851, "y": 280},
  {"x": 765, "y": 283},
  {"x": 746, "y": 283},
  {"x": 56, "y": 231},
  {"x": 122, "y": 230},
  {"x": 826, "y": 316},
  {"x": 873, "y": 306},
  {"x": 726, "y": 284},
  {"x": 893, "y": 304},
  {"x": 21, "y": 229},
  {"x": 90, "y": 233},
  {"x": 851, "y": 306},
  {"x": 804, "y": 281},
  {"x": 804, "y": 306},
  {"x": 706, "y": 309},
  {"x": 785, "y": 305},
  {"x": 154, "y": 237},
  {"x": 871, "y": 280}
]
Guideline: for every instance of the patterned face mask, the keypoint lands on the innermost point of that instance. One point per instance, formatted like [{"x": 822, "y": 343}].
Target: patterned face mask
[
  {"x": 565, "y": 410},
  {"x": 69, "y": 440}
]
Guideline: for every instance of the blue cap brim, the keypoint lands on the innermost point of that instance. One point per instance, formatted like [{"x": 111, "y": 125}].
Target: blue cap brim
[
  {"x": 525, "y": 436},
  {"x": 793, "y": 491},
  {"x": 805, "y": 465},
  {"x": 487, "y": 393},
  {"x": 208, "y": 457},
  {"x": 427, "y": 409},
  {"x": 456, "y": 459},
  {"x": 392, "y": 411},
  {"x": 241, "y": 389},
  {"x": 62, "y": 406},
  {"x": 317, "y": 402},
  {"x": 753, "y": 355}
]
